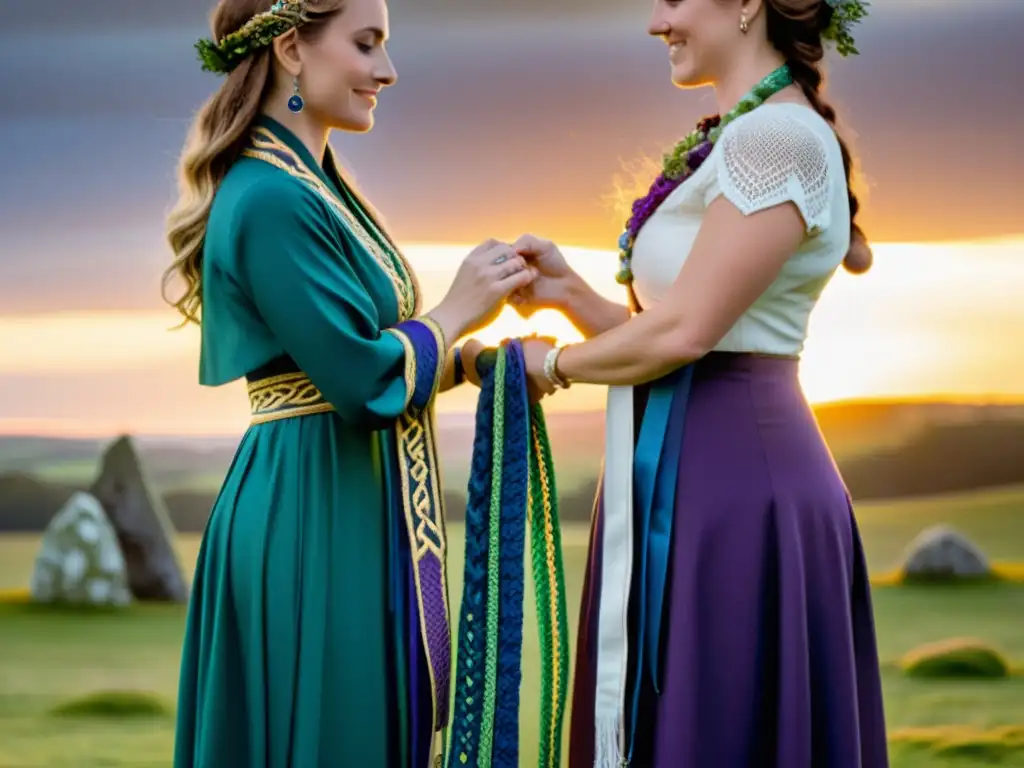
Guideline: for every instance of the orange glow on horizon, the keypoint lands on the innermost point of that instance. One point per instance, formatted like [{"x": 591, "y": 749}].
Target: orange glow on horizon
[{"x": 928, "y": 322}]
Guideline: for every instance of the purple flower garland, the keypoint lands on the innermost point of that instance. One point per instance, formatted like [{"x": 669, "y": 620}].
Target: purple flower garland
[
  {"x": 685, "y": 158},
  {"x": 663, "y": 186}
]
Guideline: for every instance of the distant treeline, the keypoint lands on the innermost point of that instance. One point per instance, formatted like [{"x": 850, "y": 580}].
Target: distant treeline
[
  {"x": 28, "y": 504},
  {"x": 936, "y": 459},
  {"x": 941, "y": 459}
]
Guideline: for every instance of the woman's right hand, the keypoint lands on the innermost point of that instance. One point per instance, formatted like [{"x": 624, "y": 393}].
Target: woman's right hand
[
  {"x": 554, "y": 281},
  {"x": 486, "y": 277}
]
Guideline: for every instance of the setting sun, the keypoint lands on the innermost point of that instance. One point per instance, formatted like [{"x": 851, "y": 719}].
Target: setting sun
[
  {"x": 890, "y": 332},
  {"x": 894, "y": 332}
]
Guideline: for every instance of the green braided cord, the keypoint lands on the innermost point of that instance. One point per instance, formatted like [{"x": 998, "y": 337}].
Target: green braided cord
[
  {"x": 542, "y": 592},
  {"x": 560, "y": 699},
  {"x": 549, "y": 587},
  {"x": 493, "y": 568}
]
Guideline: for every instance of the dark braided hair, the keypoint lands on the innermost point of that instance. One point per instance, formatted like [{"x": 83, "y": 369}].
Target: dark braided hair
[{"x": 794, "y": 29}]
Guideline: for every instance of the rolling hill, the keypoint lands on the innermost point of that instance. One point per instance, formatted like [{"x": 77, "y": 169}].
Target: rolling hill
[{"x": 885, "y": 449}]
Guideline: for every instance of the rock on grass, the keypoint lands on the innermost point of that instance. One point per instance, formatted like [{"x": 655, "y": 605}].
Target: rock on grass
[
  {"x": 943, "y": 554},
  {"x": 114, "y": 704},
  {"x": 956, "y": 658}
]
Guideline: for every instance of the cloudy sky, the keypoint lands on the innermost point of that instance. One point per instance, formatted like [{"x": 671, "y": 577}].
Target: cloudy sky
[
  {"x": 507, "y": 117},
  {"x": 504, "y": 119}
]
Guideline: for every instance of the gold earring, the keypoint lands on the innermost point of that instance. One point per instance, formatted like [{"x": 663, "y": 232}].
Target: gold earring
[{"x": 744, "y": 26}]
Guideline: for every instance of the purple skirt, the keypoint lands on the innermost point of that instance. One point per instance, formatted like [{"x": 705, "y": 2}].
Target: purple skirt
[{"x": 768, "y": 652}]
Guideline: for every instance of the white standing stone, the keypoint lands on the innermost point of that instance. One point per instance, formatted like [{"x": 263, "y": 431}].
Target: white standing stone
[{"x": 79, "y": 559}]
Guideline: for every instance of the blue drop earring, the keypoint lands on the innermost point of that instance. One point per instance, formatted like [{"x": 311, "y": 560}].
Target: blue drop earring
[{"x": 295, "y": 103}]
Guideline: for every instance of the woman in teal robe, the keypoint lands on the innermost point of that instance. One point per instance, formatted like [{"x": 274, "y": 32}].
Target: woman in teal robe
[{"x": 318, "y": 631}]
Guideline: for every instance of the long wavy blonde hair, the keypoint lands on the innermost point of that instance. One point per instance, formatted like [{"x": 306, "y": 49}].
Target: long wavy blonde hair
[{"x": 215, "y": 141}]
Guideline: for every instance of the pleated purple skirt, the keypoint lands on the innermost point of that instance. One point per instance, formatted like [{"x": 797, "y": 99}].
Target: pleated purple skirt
[{"x": 769, "y": 657}]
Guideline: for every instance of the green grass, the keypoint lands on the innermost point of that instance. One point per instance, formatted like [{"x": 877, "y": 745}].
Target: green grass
[
  {"x": 952, "y": 746},
  {"x": 67, "y": 471},
  {"x": 993, "y": 519},
  {"x": 50, "y": 658}
]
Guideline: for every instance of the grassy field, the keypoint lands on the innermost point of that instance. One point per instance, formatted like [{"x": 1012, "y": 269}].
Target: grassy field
[{"x": 48, "y": 657}]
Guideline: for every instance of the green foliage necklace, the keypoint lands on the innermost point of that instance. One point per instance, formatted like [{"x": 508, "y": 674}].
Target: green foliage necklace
[{"x": 685, "y": 158}]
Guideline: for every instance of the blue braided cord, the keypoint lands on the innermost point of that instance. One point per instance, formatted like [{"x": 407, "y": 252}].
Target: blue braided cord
[
  {"x": 469, "y": 677},
  {"x": 514, "y": 479}
]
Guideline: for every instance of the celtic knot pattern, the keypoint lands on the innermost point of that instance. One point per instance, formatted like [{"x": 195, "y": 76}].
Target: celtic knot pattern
[{"x": 285, "y": 396}]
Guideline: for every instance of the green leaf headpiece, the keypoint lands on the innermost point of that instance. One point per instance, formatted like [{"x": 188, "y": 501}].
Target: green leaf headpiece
[
  {"x": 845, "y": 14},
  {"x": 257, "y": 33}
]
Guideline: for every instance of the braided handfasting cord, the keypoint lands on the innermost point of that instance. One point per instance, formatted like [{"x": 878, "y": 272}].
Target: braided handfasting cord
[
  {"x": 511, "y": 488},
  {"x": 549, "y": 586}
]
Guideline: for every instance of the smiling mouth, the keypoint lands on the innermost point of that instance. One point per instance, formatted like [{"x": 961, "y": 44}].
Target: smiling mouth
[{"x": 369, "y": 95}]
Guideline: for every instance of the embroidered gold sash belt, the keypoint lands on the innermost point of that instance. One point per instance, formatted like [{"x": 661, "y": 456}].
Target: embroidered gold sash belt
[{"x": 285, "y": 396}]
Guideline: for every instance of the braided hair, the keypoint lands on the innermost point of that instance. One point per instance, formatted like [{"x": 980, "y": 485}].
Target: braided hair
[{"x": 795, "y": 29}]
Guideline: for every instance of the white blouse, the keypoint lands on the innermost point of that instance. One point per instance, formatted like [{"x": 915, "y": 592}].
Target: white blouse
[
  {"x": 779, "y": 152},
  {"x": 775, "y": 154}
]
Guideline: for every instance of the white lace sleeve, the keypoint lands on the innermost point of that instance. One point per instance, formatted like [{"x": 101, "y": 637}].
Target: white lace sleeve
[{"x": 770, "y": 157}]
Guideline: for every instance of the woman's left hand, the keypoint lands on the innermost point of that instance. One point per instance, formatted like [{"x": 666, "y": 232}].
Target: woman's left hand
[{"x": 535, "y": 349}]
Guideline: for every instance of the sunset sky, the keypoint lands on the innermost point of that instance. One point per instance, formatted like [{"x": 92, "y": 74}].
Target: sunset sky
[{"x": 505, "y": 118}]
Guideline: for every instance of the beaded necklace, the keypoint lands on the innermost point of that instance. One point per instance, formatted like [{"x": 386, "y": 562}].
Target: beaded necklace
[{"x": 685, "y": 158}]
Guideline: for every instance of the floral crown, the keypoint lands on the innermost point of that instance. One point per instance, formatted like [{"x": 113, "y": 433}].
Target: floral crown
[
  {"x": 845, "y": 13},
  {"x": 257, "y": 33}
]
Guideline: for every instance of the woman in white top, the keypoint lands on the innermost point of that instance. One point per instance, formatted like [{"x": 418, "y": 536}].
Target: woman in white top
[{"x": 726, "y": 619}]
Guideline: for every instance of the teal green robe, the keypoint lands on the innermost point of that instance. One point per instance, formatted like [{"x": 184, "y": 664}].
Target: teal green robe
[{"x": 308, "y": 643}]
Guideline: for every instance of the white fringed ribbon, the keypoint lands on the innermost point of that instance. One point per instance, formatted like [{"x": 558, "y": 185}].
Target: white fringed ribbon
[{"x": 616, "y": 574}]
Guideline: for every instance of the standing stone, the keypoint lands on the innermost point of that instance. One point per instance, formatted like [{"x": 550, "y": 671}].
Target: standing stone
[
  {"x": 80, "y": 560},
  {"x": 142, "y": 524},
  {"x": 942, "y": 553}
]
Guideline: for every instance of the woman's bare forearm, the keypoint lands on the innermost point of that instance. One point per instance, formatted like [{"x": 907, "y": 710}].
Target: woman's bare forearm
[{"x": 589, "y": 311}]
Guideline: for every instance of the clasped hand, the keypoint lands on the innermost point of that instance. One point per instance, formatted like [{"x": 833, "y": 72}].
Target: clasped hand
[{"x": 546, "y": 290}]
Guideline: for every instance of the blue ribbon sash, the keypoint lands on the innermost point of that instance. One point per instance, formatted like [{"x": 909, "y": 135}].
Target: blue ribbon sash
[{"x": 655, "y": 473}]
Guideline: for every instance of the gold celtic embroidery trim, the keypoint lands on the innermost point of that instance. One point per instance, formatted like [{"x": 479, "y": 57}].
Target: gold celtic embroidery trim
[
  {"x": 265, "y": 144},
  {"x": 285, "y": 396},
  {"x": 423, "y": 505},
  {"x": 419, "y": 481}
]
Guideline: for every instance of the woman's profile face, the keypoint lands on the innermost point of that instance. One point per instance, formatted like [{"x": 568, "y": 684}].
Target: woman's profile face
[
  {"x": 346, "y": 65},
  {"x": 702, "y": 36}
]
